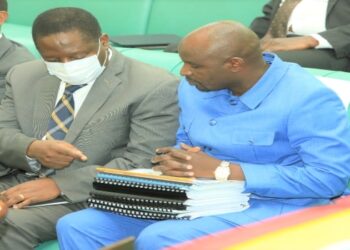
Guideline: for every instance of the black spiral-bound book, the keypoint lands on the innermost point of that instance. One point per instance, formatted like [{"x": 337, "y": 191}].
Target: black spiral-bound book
[
  {"x": 138, "y": 200},
  {"x": 149, "y": 196}
]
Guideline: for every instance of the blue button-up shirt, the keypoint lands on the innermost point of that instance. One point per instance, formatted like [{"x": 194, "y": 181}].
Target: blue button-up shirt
[{"x": 289, "y": 133}]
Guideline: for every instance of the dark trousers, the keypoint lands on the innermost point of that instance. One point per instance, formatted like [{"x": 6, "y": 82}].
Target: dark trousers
[{"x": 316, "y": 58}]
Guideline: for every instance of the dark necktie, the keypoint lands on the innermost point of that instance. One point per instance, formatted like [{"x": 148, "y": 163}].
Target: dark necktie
[
  {"x": 278, "y": 27},
  {"x": 63, "y": 114}
]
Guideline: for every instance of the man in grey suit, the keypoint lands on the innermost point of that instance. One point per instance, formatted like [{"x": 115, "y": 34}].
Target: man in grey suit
[
  {"x": 11, "y": 53},
  {"x": 318, "y": 34},
  {"x": 122, "y": 110}
]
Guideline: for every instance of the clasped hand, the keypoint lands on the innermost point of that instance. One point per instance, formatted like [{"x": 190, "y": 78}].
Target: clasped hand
[{"x": 185, "y": 162}]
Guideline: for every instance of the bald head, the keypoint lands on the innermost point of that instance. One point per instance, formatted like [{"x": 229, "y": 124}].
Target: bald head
[
  {"x": 223, "y": 40},
  {"x": 222, "y": 55}
]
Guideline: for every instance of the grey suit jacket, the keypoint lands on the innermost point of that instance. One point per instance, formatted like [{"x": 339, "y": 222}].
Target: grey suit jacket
[
  {"x": 11, "y": 53},
  {"x": 337, "y": 24},
  {"x": 130, "y": 110}
]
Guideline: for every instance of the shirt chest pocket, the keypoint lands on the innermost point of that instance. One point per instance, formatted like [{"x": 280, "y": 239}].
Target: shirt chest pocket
[{"x": 252, "y": 146}]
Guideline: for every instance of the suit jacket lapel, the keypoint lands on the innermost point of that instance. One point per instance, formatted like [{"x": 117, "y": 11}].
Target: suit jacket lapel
[
  {"x": 331, "y": 4},
  {"x": 99, "y": 93},
  {"x": 46, "y": 94},
  {"x": 5, "y": 45}
]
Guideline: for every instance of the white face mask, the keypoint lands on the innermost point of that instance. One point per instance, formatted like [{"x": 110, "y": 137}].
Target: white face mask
[{"x": 79, "y": 71}]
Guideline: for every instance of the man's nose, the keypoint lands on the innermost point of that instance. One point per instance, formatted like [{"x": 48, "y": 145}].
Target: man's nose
[{"x": 185, "y": 70}]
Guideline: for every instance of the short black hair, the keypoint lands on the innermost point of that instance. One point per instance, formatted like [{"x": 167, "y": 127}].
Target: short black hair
[
  {"x": 3, "y": 5},
  {"x": 66, "y": 19}
]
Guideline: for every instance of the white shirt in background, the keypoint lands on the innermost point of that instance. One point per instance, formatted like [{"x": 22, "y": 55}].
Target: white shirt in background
[{"x": 309, "y": 18}]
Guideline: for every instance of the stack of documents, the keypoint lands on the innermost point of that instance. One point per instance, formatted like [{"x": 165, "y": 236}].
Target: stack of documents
[{"x": 146, "y": 195}]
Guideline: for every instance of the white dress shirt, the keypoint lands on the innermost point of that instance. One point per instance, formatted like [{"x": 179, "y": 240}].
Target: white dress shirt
[{"x": 309, "y": 18}]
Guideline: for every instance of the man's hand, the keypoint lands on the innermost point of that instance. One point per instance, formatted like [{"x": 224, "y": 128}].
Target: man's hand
[
  {"x": 3, "y": 209},
  {"x": 185, "y": 162},
  {"x": 286, "y": 44},
  {"x": 24, "y": 194},
  {"x": 54, "y": 154}
]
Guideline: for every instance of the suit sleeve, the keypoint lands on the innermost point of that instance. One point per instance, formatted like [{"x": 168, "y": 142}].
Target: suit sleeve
[
  {"x": 323, "y": 147},
  {"x": 13, "y": 143},
  {"x": 260, "y": 25},
  {"x": 339, "y": 38}
]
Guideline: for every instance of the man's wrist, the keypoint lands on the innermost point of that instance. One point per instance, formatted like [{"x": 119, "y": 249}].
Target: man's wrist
[
  {"x": 223, "y": 171},
  {"x": 30, "y": 150}
]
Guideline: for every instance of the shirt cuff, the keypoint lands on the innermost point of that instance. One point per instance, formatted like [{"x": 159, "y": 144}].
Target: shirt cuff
[
  {"x": 257, "y": 178},
  {"x": 322, "y": 42},
  {"x": 34, "y": 165}
]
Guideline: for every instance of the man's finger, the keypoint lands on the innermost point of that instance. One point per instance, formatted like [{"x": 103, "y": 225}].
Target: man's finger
[
  {"x": 189, "y": 148},
  {"x": 9, "y": 201},
  {"x": 78, "y": 155},
  {"x": 161, "y": 158},
  {"x": 173, "y": 166},
  {"x": 70, "y": 151},
  {"x": 157, "y": 168},
  {"x": 22, "y": 204},
  {"x": 164, "y": 150},
  {"x": 177, "y": 153},
  {"x": 180, "y": 154},
  {"x": 57, "y": 163},
  {"x": 179, "y": 173},
  {"x": 14, "y": 198},
  {"x": 65, "y": 148}
]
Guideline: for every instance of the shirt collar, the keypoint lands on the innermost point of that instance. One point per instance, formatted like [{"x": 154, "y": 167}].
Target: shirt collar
[
  {"x": 261, "y": 89},
  {"x": 264, "y": 86}
]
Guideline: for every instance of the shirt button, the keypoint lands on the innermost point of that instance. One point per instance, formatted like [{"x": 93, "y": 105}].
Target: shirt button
[
  {"x": 185, "y": 129},
  {"x": 233, "y": 102},
  {"x": 212, "y": 122}
]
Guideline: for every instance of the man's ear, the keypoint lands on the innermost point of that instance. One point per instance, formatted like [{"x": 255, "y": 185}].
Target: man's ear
[
  {"x": 3, "y": 16},
  {"x": 104, "y": 40},
  {"x": 235, "y": 64}
]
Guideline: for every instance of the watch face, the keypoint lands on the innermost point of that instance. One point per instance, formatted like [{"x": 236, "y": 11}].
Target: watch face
[{"x": 222, "y": 172}]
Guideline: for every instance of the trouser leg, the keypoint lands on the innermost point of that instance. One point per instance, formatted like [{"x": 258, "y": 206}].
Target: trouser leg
[
  {"x": 316, "y": 58},
  {"x": 93, "y": 229},
  {"x": 26, "y": 228},
  {"x": 171, "y": 232}
]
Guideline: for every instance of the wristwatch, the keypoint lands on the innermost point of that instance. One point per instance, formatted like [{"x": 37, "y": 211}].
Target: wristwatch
[{"x": 222, "y": 172}]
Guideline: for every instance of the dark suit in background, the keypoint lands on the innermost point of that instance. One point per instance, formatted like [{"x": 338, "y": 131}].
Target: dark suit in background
[
  {"x": 337, "y": 34},
  {"x": 11, "y": 53}
]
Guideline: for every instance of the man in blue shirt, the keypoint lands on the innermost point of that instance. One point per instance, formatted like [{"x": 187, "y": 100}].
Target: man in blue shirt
[{"x": 246, "y": 117}]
